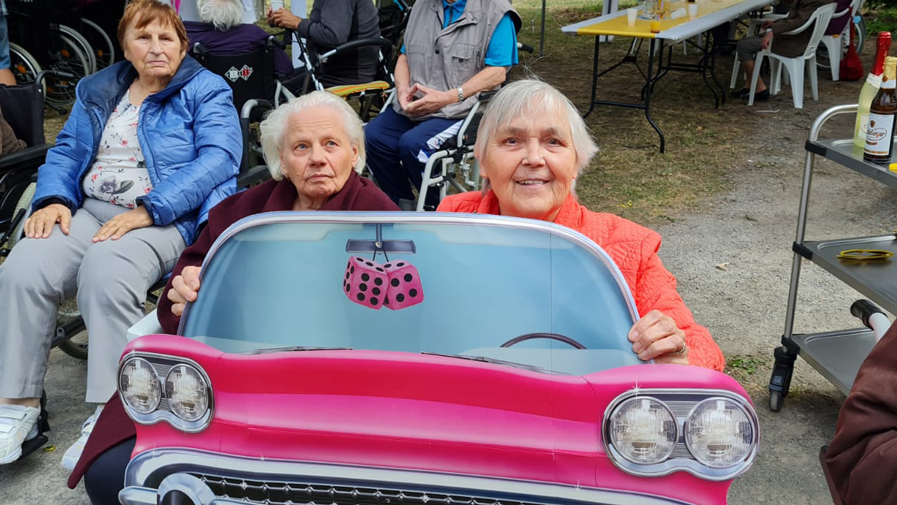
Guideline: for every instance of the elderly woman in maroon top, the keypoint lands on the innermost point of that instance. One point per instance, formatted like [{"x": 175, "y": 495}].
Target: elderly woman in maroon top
[{"x": 314, "y": 147}]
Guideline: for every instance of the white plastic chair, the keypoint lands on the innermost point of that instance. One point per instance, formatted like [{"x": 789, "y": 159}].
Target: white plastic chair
[
  {"x": 795, "y": 66},
  {"x": 835, "y": 44}
]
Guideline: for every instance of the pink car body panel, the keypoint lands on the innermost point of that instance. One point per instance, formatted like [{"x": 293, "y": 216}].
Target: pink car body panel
[{"x": 424, "y": 412}]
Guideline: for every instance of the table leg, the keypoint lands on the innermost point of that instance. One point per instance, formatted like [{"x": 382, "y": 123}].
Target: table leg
[
  {"x": 650, "y": 85},
  {"x": 594, "y": 79},
  {"x": 703, "y": 63}
]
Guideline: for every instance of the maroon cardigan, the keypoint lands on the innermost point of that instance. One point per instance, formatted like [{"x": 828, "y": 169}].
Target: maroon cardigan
[
  {"x": 357, "y": 194},
  {"x": 862, "y": 458}
]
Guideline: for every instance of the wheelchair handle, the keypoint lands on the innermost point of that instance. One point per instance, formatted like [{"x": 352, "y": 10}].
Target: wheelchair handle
[
  {"x": 373, "y": 41},
  {"x": 525, "y": 48},
  {"x": 872, "y": 316}
]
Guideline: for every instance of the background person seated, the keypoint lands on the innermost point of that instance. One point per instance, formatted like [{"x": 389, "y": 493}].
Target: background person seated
[
  {"x": 330, "y": 24},
  {"x": 152, "y": 143},
  {"x": 220, "y": 31},
  {"x": 453, "y": 50},
  {"x": 787, "y": 45},
  {"x": 531, "y": 145}
]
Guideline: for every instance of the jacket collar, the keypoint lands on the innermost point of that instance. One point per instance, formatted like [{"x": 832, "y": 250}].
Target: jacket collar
[
  {"x": 107, "y": 87},
  {"x": 570, "y": 214}
]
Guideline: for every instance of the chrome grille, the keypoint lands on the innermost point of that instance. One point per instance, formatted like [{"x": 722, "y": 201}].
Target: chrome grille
[{"x": 292, "y": 493}]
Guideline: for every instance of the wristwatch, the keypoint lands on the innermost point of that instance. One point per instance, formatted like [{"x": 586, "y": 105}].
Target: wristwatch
[{"x": 460, "y": 94}]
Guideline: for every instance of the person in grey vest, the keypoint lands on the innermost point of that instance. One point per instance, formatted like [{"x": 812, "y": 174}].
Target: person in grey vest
[{"x": 454, "y": 49}]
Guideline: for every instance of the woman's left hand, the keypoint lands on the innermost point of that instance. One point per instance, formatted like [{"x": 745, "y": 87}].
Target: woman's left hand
[
  {"x": 116, "y": 227},
  {"x": 657, "y": 337}
]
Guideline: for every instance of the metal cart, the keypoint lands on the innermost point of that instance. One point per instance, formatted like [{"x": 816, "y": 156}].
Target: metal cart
[{"x": 837, "y": 355}]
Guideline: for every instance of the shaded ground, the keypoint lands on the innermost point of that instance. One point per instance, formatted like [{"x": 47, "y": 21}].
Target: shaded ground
[{"x": 726, "y": 192}]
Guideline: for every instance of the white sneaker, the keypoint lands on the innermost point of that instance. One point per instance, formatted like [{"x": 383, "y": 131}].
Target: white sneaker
[
  {"x": 18, "y": 423},
  {"x": 73, "y": 453}
]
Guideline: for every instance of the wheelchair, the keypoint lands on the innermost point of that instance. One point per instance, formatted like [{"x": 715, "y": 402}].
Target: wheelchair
[
  {"x": 372, "y": 95},
  {"x": 39, "y": 41}
]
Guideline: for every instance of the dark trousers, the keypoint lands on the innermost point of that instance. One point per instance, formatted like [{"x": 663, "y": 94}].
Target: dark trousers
[
  {"x": 396, "y": 145},
  {"x": 106, "y": 475}
]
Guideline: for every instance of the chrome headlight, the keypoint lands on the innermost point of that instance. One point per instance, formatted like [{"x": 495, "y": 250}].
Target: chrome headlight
[
  {"x": 140, "y": 386},
  {"x": 643, "y": 430},
  {"x": 719, "y": 433},
  {"x": 187, "y": 393}
]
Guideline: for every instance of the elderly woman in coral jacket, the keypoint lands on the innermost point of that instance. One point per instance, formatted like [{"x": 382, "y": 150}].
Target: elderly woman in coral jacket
[{"x": 531, "y": 145}]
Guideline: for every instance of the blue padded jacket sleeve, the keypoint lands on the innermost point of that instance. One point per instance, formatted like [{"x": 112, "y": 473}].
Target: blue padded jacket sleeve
[
  {"x": 219, "y": 146},
  {"x": 502, "y": 50},
  {"x": 59, "y": 177}
]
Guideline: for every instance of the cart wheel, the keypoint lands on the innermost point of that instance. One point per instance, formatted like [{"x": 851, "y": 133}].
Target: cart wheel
[{"x": 776, "y": 399}]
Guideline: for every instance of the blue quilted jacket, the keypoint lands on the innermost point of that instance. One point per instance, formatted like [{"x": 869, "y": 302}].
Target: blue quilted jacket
[{"x": 189, "y": 134}]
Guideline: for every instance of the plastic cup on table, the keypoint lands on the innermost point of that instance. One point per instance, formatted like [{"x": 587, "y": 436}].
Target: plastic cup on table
[
  {"x": 631, "y": 14},
  {"x": 276, "y": 4},
  {"x": 692, "y": 11},
  {"x": 655, "y": 26}
]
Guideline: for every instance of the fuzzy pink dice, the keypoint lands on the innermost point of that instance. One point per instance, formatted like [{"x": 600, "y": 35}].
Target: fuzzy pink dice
[
  {"x": 365, "y": 282},
  {"x": 404, "y": 285}
]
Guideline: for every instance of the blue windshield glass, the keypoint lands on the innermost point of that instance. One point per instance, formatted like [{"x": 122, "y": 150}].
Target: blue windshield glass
[{"x": 277, "y": 284}]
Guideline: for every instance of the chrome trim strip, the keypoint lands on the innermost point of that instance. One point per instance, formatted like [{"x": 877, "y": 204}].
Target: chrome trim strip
[
  {"x": 135, "y": 495},
  {"x": 349, "y": 217},
  {"x": 166, "y": 415},
  {"x": 149, "y": 463},
  {"x": 691, "y": 466}
]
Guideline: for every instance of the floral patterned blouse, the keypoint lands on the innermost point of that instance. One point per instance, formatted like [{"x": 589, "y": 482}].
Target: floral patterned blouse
[{"x": 119, "y": 175}]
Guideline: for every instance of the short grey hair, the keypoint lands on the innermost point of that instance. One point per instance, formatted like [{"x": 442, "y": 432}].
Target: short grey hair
[
  {"x": 224, "y": 14},
  {"x": 532, "y": 98},
  {"x": 274, "y": 127}
]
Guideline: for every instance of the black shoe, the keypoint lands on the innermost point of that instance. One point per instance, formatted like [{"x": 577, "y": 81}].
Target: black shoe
[
  {"x": 762, "y": 96},
  {"x": 741, "y": 93}
]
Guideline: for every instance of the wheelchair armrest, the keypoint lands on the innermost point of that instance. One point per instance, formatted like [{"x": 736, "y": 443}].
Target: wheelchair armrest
[
  {"x": 355, "y": 44},
  {"x": 30, "y": 156},
  {"x": 253, "y": 109},
  {"x": 252, "y": 176}
]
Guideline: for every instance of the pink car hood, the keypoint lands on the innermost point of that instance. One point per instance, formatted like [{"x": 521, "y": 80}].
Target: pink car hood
[{"x": 423, "y": 412}]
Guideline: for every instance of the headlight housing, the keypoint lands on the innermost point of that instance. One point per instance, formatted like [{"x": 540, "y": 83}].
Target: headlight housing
[
  {"x": 187, "y": 393},
  {"x": 184, "y": 399},
  {"x": 643, "y": 430},
  {"x": 710, "y": 433},
  {"x": 139, "y": 384},
  {"x": 718, "y": 433}
]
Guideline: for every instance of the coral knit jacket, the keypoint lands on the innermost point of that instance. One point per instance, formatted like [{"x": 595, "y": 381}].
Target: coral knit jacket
[{"x": 634, "y": 249}]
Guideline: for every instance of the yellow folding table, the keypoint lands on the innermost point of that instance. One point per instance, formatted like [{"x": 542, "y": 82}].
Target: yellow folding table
[{"x": 711, "y": 13}]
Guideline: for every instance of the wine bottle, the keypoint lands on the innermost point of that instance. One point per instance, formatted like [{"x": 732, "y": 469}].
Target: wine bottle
[
  {"x": 882, "y": 114},
  {"x": 870, "y": 88}
]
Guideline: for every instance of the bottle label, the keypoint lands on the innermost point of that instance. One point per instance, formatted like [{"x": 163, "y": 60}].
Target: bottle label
[
  {"x": 879, "y": 134},
  {"x": 864, "y": 124}
]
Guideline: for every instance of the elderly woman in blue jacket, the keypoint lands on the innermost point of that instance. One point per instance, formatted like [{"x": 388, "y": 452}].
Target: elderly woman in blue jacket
[{"x": 151, "y": 145}]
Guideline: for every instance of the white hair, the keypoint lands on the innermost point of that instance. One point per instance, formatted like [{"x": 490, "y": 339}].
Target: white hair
[
  {"x": 274, "y": 127},
  {"x": 224, "y": 14},
  {"x": 532, "y": 99}
]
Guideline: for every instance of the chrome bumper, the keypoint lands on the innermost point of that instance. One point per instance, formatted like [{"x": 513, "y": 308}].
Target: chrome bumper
[{"x": 150, "y": 472}]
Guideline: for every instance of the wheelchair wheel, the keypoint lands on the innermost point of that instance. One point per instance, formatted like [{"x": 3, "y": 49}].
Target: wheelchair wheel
[
  {"x": 101, "y": 44},
  {"x": 24, "y": 203},
  {"x": 60, "y": 91},
  {"x": 82, "y": 44},
  {"x": 24, "y": 67}
]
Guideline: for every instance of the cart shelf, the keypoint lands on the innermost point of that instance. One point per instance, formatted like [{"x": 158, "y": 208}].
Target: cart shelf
[
  {"x": 877, "y": 279},
  {"x": 846, "y": 154}
]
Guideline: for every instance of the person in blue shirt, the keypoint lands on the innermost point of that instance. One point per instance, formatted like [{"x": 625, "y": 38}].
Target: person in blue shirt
[{"x": 454, "y": 49}]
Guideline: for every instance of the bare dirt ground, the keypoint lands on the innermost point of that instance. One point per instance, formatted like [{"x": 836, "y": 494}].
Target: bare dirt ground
[{"x": 733, "y": 200}]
